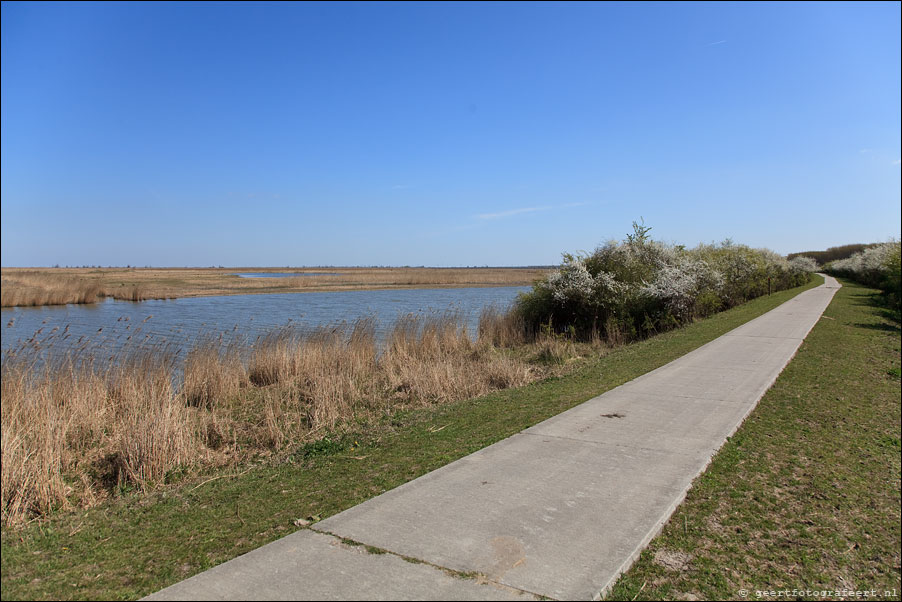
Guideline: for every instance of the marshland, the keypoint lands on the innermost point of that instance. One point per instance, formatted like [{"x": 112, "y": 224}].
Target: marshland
[
  {"x": 87, "y": 417},
  {"x": 59, "y": 286},
  {"x": 311, "y": 161}
]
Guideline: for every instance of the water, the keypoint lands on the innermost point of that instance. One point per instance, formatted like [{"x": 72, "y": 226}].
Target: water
[
  {"x": 179, "y": 322},
  {"x": 283, "y": 274}
]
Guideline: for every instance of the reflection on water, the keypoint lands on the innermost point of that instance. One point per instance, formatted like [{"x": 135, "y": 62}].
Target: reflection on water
[{"x": 177, "y": 323}]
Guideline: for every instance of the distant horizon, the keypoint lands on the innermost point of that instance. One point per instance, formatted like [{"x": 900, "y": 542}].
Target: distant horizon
[
  {"x": 273, "y": 267},
  {"x": 441, "y": 134},
  {"x": 340, "y": 267}
]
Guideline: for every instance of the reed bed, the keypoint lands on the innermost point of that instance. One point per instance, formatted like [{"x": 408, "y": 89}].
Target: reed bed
[
  {"x": 29, "y": 291},
  {"x": 72, "y": 427},
  {"x": 82, "y": 426},
  {"x": 36, "y": 288},
  {"x": 416, "y": 277},
  {"x": 33, "y": 286}
]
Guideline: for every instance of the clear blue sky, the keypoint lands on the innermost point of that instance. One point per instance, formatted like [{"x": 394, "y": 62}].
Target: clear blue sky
[{"x": 441, "y": 134}]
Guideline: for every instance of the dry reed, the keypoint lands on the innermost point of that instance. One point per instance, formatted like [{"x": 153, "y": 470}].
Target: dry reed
[
  {"x": 78, "y": 429},
  {"x": 212, "y": 372},
  {"x": 72, "y": 422},
  {"x": 502, "y": 328},
  {"x": 31, "y": 288},
  {"x": 45, "y": 286}
]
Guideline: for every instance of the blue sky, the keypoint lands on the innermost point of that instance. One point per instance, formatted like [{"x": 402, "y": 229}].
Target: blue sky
[{"x": 441, "y": 134}]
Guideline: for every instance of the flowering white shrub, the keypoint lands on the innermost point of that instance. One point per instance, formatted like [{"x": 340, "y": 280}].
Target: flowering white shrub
[
  {"x": 870, "y": 261},
  {"x": 609, "y": 294},
  {"x": 572, "y": 282},
  {"x": 641, "y": 285},
  {"x": 737, "y": 265},
  {"x": 879, "y": 266},
  {"x": 803, "y": 265},
  {"x": 679, "y": 284}
]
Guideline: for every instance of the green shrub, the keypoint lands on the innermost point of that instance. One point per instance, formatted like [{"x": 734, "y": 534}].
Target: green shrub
[
  {"x": 877, "y": 266},
  {"x": 630, "y": 289}
]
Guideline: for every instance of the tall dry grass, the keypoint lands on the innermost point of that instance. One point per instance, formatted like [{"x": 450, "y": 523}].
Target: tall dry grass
[
  {"x": 31, "y": 288},
  {"x": 136, "y": 292},
  {"x": 503, "y": 328},
  {"x": 213, "y": 371},
  {"x": 414, "y": 277},
  {"x": 77, "y": 429},
  {"x": 72, "y": 428}
]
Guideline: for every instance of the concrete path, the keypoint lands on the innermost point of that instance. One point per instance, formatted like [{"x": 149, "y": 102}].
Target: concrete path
[{"x": 559, "y": 510}]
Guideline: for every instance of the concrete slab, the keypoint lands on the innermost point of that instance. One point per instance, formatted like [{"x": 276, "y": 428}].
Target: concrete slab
[
  {"x": 722, "y": 383},
  {"x": 544, "y": 514},
  {"x": 311, "y": 566},
  {"x": 793, "y": 319},
  {"x": 664, "y": 423}
]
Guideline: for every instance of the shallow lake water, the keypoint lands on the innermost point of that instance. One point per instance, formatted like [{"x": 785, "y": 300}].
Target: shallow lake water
[{"x": 179, "y": 322}]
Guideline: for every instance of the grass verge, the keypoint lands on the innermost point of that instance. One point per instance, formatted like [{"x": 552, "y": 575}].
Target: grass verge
[
  {"x": 134, "y": 545},
  {"x": 806, "y": 494}
]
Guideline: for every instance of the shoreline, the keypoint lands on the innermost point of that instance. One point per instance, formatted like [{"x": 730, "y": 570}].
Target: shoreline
[{"x": 28, "y": 287}]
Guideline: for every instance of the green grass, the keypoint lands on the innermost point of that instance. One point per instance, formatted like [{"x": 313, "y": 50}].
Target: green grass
[
  {"x": 138, "y": 544},
  {"x": 806, "y": 494}
]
